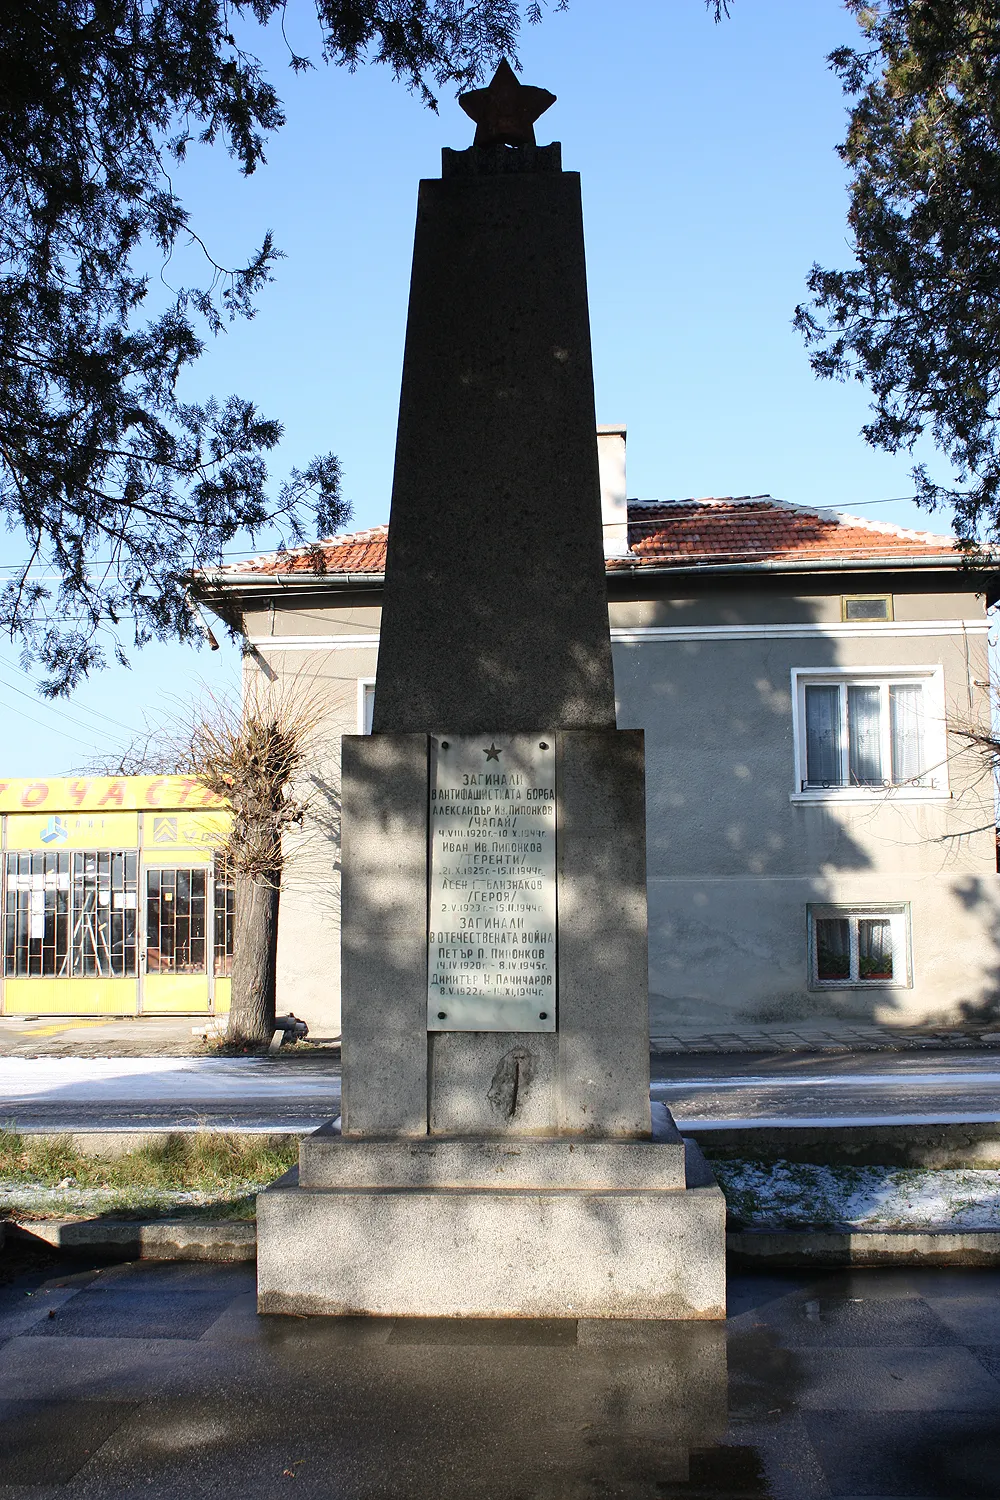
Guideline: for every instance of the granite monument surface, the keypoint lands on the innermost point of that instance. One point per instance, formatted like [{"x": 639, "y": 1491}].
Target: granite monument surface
[{"x": 496, "y": 1154}]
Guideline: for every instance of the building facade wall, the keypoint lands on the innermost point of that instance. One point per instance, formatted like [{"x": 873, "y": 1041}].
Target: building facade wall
[{"x": 737, "y": 856}]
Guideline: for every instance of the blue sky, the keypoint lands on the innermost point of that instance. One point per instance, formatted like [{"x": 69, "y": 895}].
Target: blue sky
[{"x": 710, "y": 185}]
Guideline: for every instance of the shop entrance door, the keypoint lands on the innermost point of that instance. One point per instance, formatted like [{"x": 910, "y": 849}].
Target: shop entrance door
[{"x": 177, "y": 941}]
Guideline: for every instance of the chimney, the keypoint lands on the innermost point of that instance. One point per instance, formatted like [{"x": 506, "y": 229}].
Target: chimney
[{"x": 614, "y": 505}]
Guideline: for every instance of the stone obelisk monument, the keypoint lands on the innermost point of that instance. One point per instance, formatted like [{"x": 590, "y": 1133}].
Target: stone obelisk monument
[{"x": 496, "y": 1153}]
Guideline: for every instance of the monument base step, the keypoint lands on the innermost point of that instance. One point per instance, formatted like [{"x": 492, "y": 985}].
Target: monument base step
[{"x": 487, "y": 1252}]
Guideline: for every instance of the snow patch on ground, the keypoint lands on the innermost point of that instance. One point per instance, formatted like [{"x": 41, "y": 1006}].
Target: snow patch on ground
[{"x": 791, "y": 1195}]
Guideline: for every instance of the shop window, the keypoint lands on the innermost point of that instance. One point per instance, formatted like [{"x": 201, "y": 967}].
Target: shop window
[
  {"x": 225, "y": 922},
  {"x": 176, "y": 921},
  {"x": 854, "y": 948},
  {"x": 71, "y": 915}
]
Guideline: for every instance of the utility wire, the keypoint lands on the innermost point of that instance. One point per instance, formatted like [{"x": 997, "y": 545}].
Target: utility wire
[
  {"x": 12, "y": 708},
  {"x": 81, "y": 707},
  {"x": 52, "y": 709},
  {"x": 694, "y": 500}
]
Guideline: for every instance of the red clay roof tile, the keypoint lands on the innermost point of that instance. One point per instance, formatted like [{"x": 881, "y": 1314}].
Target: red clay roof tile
[{"x": 663, "y": 534}]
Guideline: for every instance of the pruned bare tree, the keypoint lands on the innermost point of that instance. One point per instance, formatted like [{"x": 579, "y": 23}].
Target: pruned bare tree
[{"x": 252, "y": 757}]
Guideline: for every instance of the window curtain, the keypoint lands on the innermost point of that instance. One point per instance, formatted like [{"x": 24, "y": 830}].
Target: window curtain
[
  {"x": 906, "y": 727},
  {"x": 874, "y": 948},
  {"x": 823, "y": 736},
  {"x": 833, "y": 948},
  {"x": 864, "y": 735}
]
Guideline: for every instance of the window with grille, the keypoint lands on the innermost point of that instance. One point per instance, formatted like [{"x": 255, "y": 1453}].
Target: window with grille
[
  {"x": 856, "y": 947},
  {"x": 857, "y": 734},
  {"x": 176, "y": 921},
  {"x": 71, "y": 915},
  {"x": 866, "y": 607},
  {"x": 225, "y": 922}
]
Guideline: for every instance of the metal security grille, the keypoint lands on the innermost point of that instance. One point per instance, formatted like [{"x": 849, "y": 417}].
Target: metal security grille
[
  {"x": 37, "y": 921},
  {"x": 103, "y": 913},
  {"x": 71, "y": 914},
  {"x": 225, "y": 922},
  {"x": 176, "y": 921}
]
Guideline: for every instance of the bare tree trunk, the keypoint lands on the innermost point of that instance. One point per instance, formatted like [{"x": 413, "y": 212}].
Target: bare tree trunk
[{"x": 255, "y": 946}]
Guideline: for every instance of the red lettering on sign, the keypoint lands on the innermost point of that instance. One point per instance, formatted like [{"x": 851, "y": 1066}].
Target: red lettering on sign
[
  {"x": 115, "y": 793},
  {"x": 34, "y": 794},
  {"x": 78, "y": 791},
  {"x": 153, "y": 792},
  {"x": 187, "y": 787}
]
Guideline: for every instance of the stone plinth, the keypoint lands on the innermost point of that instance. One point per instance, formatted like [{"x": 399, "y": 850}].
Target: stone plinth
[
  {"x": 591, "y": 1076},
  {"x": 410, "y": 1247}
]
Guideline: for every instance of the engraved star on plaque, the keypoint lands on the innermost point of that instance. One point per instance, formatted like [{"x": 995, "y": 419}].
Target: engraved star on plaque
[{"x": 493, "y": 753}]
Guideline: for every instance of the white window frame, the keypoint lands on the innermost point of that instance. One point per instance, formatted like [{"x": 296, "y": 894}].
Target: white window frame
[
  {"x": 931, "y": 678},
  {"x": 898, "y": 914},
  {"x": 366, "y": 698}
]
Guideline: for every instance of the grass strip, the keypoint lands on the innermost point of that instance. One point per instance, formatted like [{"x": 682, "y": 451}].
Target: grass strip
[{"x": 205, "y": 1173}]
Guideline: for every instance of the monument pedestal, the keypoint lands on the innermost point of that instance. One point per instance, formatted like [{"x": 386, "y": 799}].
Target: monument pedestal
[
  {"x": 533, "y": 1227},
  {"x": 497, "y": 1156}
]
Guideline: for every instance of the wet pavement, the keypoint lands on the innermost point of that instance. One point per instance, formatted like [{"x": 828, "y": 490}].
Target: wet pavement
[{"x": 160, "y": 1380}]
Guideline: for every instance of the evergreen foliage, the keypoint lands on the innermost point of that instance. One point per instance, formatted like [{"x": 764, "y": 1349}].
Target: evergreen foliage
[
  {"x": 918, "y": 317},
  {"x": 119, "y": 485}
]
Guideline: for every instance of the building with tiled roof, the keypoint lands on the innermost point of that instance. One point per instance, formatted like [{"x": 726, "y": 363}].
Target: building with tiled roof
[
  {"x": 820, "y": 846},
  {"x": 744, "y": 531}
]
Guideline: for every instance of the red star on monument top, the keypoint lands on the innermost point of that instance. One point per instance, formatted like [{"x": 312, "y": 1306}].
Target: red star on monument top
[{"x": 506, "y": 111}]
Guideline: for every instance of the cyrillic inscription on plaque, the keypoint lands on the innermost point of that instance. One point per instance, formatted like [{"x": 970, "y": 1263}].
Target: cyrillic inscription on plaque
[{"x": 491, "y": 939}]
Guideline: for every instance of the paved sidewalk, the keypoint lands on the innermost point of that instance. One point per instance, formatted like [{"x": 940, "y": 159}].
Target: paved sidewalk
[
  {"x": 128, "y": 1036},
  {"x": 182, "y": 1036},
  {"x": 161, "y": 1381},
  {"x": 829, "y": 1036}
]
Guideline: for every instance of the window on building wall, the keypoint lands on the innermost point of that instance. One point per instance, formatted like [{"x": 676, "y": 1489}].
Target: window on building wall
[
  {"x": 858, "y": 734},
  {"x": 866, "y": 607},
  {"x": 71, "y": 915},
  {"x": 856, "y": 947},
  {"x": 366, "y": 704}
]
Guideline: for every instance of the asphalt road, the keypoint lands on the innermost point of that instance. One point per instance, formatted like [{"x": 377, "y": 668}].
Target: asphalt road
[
  {"x": 891, "y": 1088},
  {"x": 80, "y": 1094}
]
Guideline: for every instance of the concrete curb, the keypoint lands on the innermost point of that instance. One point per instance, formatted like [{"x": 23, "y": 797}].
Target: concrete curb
[
  {"x": 159, "y": 1239},
  {"x": 796, "y": 1249},
  {"x": 932, "y": 1146},
  {"x": 235, "y": 1240}
]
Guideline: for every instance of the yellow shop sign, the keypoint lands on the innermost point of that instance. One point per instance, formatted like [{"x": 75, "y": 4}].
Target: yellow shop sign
[
  {"x": 65, "y": 830},
  {"x": 182, "y": 832},
  {"x": 104, "y": 794}
]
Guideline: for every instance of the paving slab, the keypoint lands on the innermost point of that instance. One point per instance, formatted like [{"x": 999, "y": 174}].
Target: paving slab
[{"x": 823, "y": 1386}]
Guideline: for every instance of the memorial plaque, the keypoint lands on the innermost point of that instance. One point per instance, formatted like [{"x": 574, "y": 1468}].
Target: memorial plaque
[{"x": 491, "y": 929}]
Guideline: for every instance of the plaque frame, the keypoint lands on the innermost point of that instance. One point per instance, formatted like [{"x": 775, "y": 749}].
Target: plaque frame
[{"x": 492, "y": 872}]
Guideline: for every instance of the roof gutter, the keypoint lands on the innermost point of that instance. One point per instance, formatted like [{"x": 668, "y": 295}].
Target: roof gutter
[
  {"x": 797, "y": 565},
  {"x": 299, "y": 582},
  {"x": 256, "y": 582}
]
